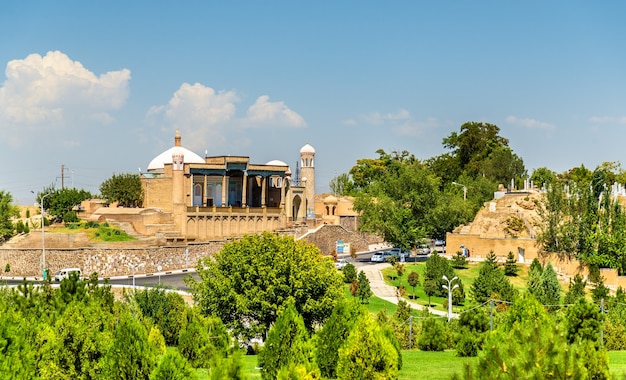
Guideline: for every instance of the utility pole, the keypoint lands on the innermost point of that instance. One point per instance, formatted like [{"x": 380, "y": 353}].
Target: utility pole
[{"x": 62, "y": 176}]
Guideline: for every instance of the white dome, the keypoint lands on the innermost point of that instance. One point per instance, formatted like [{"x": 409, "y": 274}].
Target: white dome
[
  {"x": 158, "y": 163},
  {"x": 307, "y": 149},
  {"x": 276, "y": 163}
]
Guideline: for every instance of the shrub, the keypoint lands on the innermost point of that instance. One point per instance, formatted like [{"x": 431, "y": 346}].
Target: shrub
[{"x": 349, "y": 273}]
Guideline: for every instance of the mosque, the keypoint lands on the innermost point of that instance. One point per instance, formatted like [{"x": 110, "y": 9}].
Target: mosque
[{"x": 216, "y": 197}]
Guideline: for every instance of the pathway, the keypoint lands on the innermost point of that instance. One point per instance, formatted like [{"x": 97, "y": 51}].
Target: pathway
[{"x": 388, "y": 292}]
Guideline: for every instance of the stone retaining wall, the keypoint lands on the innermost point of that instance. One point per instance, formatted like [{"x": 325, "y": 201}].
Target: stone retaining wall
[{"x": 107, "y": 262}]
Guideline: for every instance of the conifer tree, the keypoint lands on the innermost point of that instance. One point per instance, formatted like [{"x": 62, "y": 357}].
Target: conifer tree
[
  {"x": 363, "y": 290},
  {"x": 576, "y": 290},
  {"x": 510, "y": 266},
  {"x": 287, "y": 344}
]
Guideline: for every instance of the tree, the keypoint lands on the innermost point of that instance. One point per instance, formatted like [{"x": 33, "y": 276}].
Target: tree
[
  {"x": 287, "y": 344},
  {"x": 174, "y": 366},
  {"x": 7, "y": 212},
  {"x": 59, "y": 203},
  {"x": 131, "y": 356},
  {"x": 202, "y": 338},
  {"x": 165, "y": 309},
  {"x": 576, "y": 289},
  {"x": 250, "y": 279},
  {"x": 413, "y": 280},
  {"x": 367, "y": 353},
  {"x": 396, "y": 195},
  {"x": 400, "y": 268},
  {"x": 433, "y": 335},
  {"x": 123, "y": 188},
  {"x": 529, "y": 345},
  {"x": 491, "y": 282},
  {"x": 543, "y": 177},
  {"x": 349, "y": 273},
  {"x": 334, "y": 333},
  {"x": 510, "y": 266},
  {"x": 600, "y": 291},
  {"x": 550, "y": 294},
  {"x": 363, "y": 290},
  {"x": 341, "y": 184},
  {"x": 430, "y": 288}
]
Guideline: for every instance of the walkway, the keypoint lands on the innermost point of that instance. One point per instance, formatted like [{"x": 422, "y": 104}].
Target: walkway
[{"x": 387, "y": 292}]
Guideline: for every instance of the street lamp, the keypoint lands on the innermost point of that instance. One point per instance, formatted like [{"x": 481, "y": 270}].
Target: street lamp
[
  {"x": 450, "y": 288},
  {"x": 464, "y": 189},
  {"x": 43, "y": 236},
  {"x": 134, "y": 267}
]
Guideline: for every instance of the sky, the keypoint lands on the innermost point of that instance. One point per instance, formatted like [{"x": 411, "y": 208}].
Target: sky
[{"x": 91, "y": 89}]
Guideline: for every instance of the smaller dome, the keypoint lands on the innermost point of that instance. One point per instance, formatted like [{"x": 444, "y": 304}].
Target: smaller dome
[
  {"x": 276, "y": 163},
  {"x": 330, "y": 199},
  {"x": 307, "y": 149}
]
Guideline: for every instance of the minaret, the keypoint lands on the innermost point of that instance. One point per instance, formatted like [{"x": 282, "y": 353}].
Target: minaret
[
  {"x": 307, "y": 170},
  {"x": 178, "y": 184}
]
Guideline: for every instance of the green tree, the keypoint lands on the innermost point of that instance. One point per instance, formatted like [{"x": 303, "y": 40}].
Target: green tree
[
  {"x": 131, "y": 356},
  {"x": 529, "y": 345},
  {"x": 166, "y": 309},
  {"x": 432, "y": 336},
  {"x": 576, "y": 289},
  {"x": 341, "y": 184},
  {"x": 510, "y": 266},
  {"x": 600, "y": 291},
  {"x": 543, "y": 177},
  {"x": 349, "y": 273},
  {"x": 363, "y": 291},
  {"x": 334, "y": 333},
  {"x": 550, "y": 294},
  {"x": 202, "y": 338},
  {"x": 367, "y": 353},
  {"x": 413, "y": 280},
  {"x": 123, "y": 188},
  {"x": 287, "y": 344},
  {"x": 174, "y": 366},
  {"x": 584, "y": 322},
  {"x": 395, "y": 198},
  {"x": 7, "y": 212},
  {"x": 59, "y": 203},
  {"x": 430, "y": 288},
  {"x": 250, "y": 279},
  {"x": 491, "y": 282}
]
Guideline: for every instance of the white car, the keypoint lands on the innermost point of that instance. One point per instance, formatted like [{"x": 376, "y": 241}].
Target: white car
[
  {"x": 399, "y": 253},
  {"x": 380, "y": 257},
  {"x": 341, "y": 263}
]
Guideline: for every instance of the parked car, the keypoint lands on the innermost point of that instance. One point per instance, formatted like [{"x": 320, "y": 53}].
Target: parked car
[
  {"x": 439, "y": 243},
  {"x": 423, "y": 249},
  {"x": 65, "y": 273},
  {"x": 399, "y": 253},
  {"x": 380, "y": 257},
  {"x": 339, "y": 264}
]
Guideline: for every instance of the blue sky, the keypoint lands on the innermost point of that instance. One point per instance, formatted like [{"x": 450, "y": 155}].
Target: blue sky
[{"x": 101, "y": 87}]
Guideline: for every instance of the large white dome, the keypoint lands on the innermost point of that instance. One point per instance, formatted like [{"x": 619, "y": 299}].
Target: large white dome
[
  {"x": 276, "y": 163},
  {"x": 158, "y": 163}
]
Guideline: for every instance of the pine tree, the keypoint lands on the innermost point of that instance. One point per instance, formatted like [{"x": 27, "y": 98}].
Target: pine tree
[
  {"x": 550, "y": 294},
  {"x": 363, "y": 289},
  {"x": 576, "y": 290},
  {"x": 510, "y": 267},
  {"x": 287, "y": 344}
]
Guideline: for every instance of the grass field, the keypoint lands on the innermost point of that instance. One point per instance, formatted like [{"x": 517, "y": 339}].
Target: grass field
[{"x": 436, "y": 365}]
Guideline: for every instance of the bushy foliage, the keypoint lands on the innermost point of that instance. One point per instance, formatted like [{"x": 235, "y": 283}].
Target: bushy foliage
[
  {"x": 165, "y": 309},
  {"x": 492, "y": 283},
  {"x": 510, "y": 266},
  {"x": 174, "y": 366},
  {"x": 367, "y": 353},
  {"x": 334, "y": 333},
  {"x": 123, "y": 188},
  {"x": 576, "y": 290},
  {"x": 363, "y": 291},
  {"x": 459, "y": 261},
  {"x": 7, "y": 212},
  {"x": 287, "y": 344},
  {"x": 433, "y": 335},
  {"x": 249, "y": 281},
  {"x": 201, "y": 338},
  {"x": 349, "y": 273}
]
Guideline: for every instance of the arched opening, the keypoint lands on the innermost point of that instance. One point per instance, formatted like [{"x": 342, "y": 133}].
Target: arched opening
[{"x": 297, "y": 202}]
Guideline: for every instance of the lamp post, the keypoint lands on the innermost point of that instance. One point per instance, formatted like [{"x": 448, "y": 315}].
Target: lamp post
[
  {"x": 134, "y": 267},
  {"x": 450, "y": 288},
  {"x": 464, "y": 189},
  {"x": 43, "y": 236}
]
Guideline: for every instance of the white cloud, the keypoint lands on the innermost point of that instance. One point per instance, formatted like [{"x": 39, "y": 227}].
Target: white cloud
[
  {"x": 52, "y": 92},
  {"x": 377, "y": 118},
  {"x": 528, "y": 123},
  {"x": 413, "y": 128},
  {"x": 208, "y": 118},
  {"x": 265, "y": 112},
  {"x": 607, "y": 120}
]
